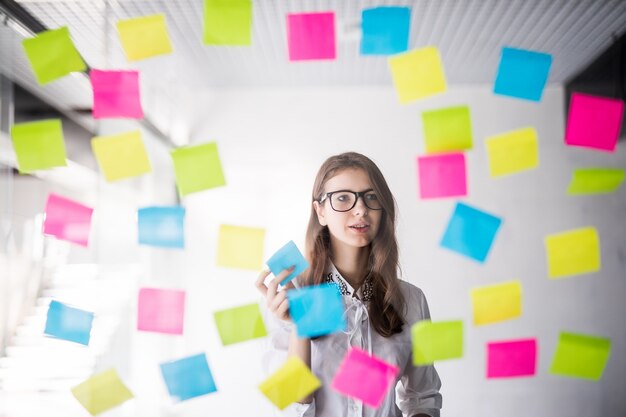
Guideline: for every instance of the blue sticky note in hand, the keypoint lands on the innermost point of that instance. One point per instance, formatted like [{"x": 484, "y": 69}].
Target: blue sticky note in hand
[
  {"x": 287, "y": 256},
  {"x": 385, "y": 30},
  {"x": 189, "y": 377},
  {"x": 68, "y": 323},
  {"x": 471, "y": 232},
  {"x": 162, "y": 226},
  {"x": 522, "y": 74},
  {"x": 317, "y": 310}
]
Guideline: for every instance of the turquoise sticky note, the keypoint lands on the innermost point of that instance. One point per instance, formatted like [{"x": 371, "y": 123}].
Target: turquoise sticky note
[
  {"x": 68, "y": 323},
  {"x": 187, "y": 378},
  {"x": 162, "y": 226},
  {"x": 522, "y": 74},
  {"x": 316, "y": 310},
  {"x": 385, "y": 30},
  {"x": 286, "y": 257}
]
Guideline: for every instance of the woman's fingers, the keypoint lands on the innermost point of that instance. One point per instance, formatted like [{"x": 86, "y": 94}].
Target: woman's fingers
[
  {"x": 260, "y": 282},
  {"x": 276, "y": 301},
  {"x": 283, "y": 310}
]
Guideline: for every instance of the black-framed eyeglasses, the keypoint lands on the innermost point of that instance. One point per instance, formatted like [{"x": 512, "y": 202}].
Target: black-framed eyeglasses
[{"x": 345, "y": 200}]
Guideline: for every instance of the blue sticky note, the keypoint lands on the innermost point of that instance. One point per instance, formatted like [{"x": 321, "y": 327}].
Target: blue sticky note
[
  {"x": 522, "y": 73},
  {"x": 187, "y": 378},
  {"x": 471, "y": 232},
  {"x": 317, "y": 310},
  {"x": 385, "y": 30},
  {"x": 286, "y": 257},
  {"x": 162, "y": 226},
  {"x": 68, "y": 323}
]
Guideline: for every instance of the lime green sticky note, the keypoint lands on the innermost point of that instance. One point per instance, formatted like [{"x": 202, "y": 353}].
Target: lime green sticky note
[
  {"x": 239, "y": 324},
  {"x": 144, "y": 37},
  {"x": 240, "y": 247},
  {"x": 102, "y": 392},
  {"x": 573, "y": 252},
  {"x": 52, "y": 55},
  {"x": 512, "y": 152},
  {"x": 447, "y": 129},
  {"x": 499, "y": 302},
  {"x": 227, "y": 22},
  {"x": 595, "y": 181},
  {"x": 417, "y": 74},
  {"x": 290, "y": 383},
  {"x": 121, "y": 156},
  {"x": 436, "y": 341},
  {"x": 581, "y": 356},
  {"x": 38, "y": 145},
  {"x": 197, "y": 168}
]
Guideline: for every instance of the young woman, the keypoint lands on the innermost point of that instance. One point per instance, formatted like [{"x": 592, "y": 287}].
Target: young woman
[{"x": 350, "y": 242}]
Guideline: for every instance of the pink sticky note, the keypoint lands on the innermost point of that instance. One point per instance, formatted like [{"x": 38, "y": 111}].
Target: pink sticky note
[
  {"x": 311, "y": 36},
  {"x": 365, "y": 377},
  {"x": 594, "y": 122},
  {"x": 442, "y": 175},
  {"x": 116, "y": 94},
  {"x": 512, "y": 358},
  {"x": 161, "y": 310},
  {"x": 67, "y": 220}
]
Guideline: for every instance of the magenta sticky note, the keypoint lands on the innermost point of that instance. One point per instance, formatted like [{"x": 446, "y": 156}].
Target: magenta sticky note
[
  {"x": 161, "y": 310},
  {"x": 594, "y": 122},
  {"x": 512, "y": 358},
  {"x": 116, "y": 94},
  {"x": 442, "y": 175},
  {"x": 311, "y": 36},
  {"x": 67, "y": 220},
  {"x": 365, "y": 377}
]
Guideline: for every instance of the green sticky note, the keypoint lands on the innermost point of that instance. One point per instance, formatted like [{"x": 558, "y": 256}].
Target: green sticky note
[
  {"x": 52, "y": 55},
  {"x": 102, "y": 392},
  {"x": 580, "y": 356},
  {"x": 227, "y": 22},
  {"x": 239, "y": 324},
  {"x": 197, "y": 168},
  {"x": 595, "y": 181},
  {"x": 436, "y": 341},
  {"x": 447, "y": 129},
  {"x": 38, "y": 145}
]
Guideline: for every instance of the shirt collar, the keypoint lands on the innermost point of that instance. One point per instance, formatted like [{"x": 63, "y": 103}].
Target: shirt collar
[{"x": 333, "y": 276}]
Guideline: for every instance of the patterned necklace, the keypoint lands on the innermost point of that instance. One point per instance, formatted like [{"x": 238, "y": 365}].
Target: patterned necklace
[{"x": 368, "y": 290}]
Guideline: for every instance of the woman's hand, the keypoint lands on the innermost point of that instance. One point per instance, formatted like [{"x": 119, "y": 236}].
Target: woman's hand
[{"x": 276, "y": 300}]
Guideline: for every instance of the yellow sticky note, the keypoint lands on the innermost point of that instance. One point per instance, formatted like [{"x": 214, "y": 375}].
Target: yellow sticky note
[
  {"x": 38, "y": 145},
  {"x": 102, "y": 392},
  {"x": 417, "y": 74},
  {"x": 499, "y": 302},
  {"x": 595, "y": 181},
  {"x": 144, "y": 37},
  {"x": 291, "y": 383},
  {"x": 197, "y": 168},
  {"x": 581, "y": 356},
  {"x": 448, "y": 129},
  {"x": 240, "y": 247},
  {"x": 573, "y": 252},
  {"x": 512, "y": 152},
  {"x": 227, "y": 22},
  {"x": 121, "y": 156}
]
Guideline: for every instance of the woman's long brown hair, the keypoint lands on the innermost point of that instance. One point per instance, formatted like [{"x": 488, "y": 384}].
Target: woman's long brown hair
[{"x": 387, "y": 303}]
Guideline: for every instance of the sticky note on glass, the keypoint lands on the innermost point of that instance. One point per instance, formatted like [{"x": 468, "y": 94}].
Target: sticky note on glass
[
  {"x": 514, "y": 358},
  {"x": 581, "y": 356},
  {"x": 311, "y": 36},
  {"x": 594, "y": 122},
  {"x": 447, "y": 130},
  {"x": 316, "y": 310},
  {"x": 471, "y": 232},
  {"x": 67, "y": 220},
  {"x": 290, "y": 383},
  {"x": 522, "y": 73},
  {"x": 116, "y": 94},
  {"x": 385, "y": 30},
  {"x": 595, "y": 181},
  {"x": 187, "y": 378},
  {"x": 162, "y": 226},
  {"x": 573, "y": 252},
  {"x": 227, "y": 22},
  {"x": 286, "y": 257},
  {"x": 161, "y": 310},
  {"x": 435, "y": 341},
  {"x": 102, "y": 392},
  {"x": 495, "y": 303},
  {"x": 240, "y": 324},
  {"x": 442, "y": 175},
  {"x": 52, "y": 55},
  {"x": 240, "y": 247},
  {"x": 197, "y": 168},
  {"x": 38, "y": 145},
  {"x": 512, "y": 152},
  {"x": 417, "y": 74},
  {"x": 121, "y": 156},
  {"x": 68, "y": 323},
  {"x": 144, "y": 37}
]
